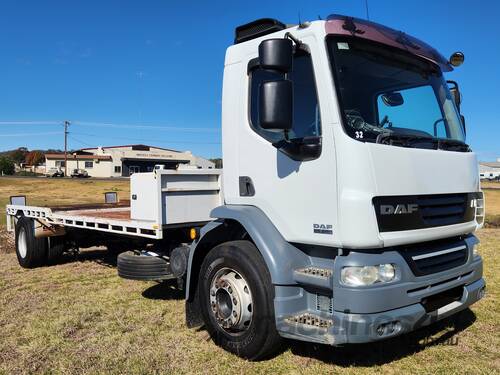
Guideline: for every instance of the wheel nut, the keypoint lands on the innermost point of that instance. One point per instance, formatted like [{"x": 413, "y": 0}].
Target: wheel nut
[
  {"x": 230, "y": 290},
  {"x": 234, "y": 313},
  {"x": 235, "y": 302}
]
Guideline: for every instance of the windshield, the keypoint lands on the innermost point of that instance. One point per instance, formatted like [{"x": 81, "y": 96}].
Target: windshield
[{"x": 392, "y": 97}]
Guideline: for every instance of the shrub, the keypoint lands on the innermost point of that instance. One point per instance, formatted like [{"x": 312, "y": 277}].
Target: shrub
[{"x": 6, "y": 166}]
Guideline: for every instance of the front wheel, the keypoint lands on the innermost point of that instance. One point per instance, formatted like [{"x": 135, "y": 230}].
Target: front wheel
[{"x": 236, "y": 300}]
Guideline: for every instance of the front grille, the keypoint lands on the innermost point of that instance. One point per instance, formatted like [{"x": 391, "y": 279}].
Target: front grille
[
  {"x": 439, "y": 210},
  {"x": 408, "y": 212},
  {"x": 425, "y": 259}
]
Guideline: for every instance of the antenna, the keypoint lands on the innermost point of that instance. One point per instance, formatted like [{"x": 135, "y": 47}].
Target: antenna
[
  {"x": 300, "y": 22},
  {"x": 367, "y": 13}
]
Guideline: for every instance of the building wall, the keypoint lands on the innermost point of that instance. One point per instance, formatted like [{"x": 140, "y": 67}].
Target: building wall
[
  {"x": 103, "y": 168},
  {"x": 125, "y": 157}
]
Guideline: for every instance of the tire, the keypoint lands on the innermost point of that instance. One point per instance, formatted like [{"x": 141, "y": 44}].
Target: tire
[
  {"x": 142, "y": 267},
  {"x": 31, "y": 252},
  {"x": 259, "y": 338}
]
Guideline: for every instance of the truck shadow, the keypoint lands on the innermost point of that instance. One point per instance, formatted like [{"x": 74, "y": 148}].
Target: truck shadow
[
  {"x": 99, "y": 256},
  {"x": 165, "y": 290},
  {"x": 378, "y": 353}
]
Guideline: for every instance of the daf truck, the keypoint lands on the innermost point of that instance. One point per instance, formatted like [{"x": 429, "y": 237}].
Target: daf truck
[{"x": 347, "y": 205}]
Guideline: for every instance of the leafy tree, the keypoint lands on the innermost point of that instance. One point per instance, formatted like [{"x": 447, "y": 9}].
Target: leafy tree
[
  {"x": 217, "y": 162},
  {"x": 19, "y": 155},
  {"x": 6, "y": 166},
  {"x": 35, "y": 158}
]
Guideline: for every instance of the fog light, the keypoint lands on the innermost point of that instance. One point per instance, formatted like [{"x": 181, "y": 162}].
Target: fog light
[
  {"x": 367, "y": 275},
  {"x": 388, "y": 328},
  {"x": 380, "y": 330}
]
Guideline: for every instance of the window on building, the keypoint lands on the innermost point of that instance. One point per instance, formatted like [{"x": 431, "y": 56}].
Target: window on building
[
  {"x": 306, "y": 118},
  {"x": 118, "y": 169},
  {"x": 60, "y": 163},
  {"x": 89, "y": 164}
]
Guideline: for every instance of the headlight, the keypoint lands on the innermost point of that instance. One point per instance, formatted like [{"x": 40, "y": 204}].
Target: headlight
[
  {"x": 367, "y": 275},
  {"x": 474, "y": 251}
]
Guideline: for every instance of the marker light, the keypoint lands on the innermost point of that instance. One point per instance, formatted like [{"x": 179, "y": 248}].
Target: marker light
[
  {"x": 457, "y": 59},
  {"x": 367, "y": 275},
  {"x": 193, "y": 233}
]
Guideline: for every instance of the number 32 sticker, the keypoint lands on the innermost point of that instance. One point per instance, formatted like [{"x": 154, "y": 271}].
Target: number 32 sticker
[{"x": 358, "y": 135}]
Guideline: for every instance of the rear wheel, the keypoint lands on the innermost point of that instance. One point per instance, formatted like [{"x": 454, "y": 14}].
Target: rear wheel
[
  {"x": 31, "y": 252},
  {"x": 236, "y": 300}
]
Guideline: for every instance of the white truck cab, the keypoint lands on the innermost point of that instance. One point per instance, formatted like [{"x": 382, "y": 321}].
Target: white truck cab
[{"x": 346, "y": 168}]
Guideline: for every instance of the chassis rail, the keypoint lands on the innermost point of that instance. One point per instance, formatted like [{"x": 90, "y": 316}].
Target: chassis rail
[{"x": 72, "y": 219}]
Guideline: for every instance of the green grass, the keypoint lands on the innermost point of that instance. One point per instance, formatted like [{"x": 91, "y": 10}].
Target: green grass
[{"x": 80, "y": 317}]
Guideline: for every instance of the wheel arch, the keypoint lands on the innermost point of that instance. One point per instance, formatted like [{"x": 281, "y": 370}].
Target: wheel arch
[{"x": 233, "y": 221}]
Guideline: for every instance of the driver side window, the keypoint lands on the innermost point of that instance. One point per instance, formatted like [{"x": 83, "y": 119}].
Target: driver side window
[{"x": 306, "y": 117}]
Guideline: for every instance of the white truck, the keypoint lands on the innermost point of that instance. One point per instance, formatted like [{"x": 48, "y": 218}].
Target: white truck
[{"x": 347, "y": 207}]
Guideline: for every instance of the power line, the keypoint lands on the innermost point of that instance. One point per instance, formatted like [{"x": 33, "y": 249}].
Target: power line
[
  {"x": 156, "y": 127},
  {"x": 151, "y": 140},
  {"x": 28, "y": 134},
  {"x": 114, "y": 125},
  {"x": 43, "y": 122}
]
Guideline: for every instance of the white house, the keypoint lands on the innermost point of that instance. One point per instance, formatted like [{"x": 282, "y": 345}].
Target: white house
[
  {"x": 118, "y": 161},
  {"x": 489, "y": 170}
]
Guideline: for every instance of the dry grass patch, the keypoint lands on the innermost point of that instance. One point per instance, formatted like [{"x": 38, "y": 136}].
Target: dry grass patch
[
  {"x": 59, "y": 191},
  {"x": 80, "y": 317}
]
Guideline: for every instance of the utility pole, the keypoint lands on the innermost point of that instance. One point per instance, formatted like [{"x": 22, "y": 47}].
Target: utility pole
[{"x": 66, "y": 124}]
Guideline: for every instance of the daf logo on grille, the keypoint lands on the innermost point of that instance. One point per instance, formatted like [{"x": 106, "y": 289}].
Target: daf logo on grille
[{"x": 400, "y": 209}]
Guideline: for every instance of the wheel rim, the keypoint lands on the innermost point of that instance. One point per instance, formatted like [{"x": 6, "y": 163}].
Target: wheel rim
[
  {"x": 231, "y": 301},
  {"x": 22, "y": 245}
]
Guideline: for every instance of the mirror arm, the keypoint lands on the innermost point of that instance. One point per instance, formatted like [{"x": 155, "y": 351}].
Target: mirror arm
[{"x": 293, "y": 39}]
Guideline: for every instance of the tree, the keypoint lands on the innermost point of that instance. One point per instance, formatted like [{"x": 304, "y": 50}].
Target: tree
[
  {"x": 35, "y": 158},
  {"x": 19, "y": 155},
  {"x": 217, "y": 162},
  {"x": 6, "y": 166}
]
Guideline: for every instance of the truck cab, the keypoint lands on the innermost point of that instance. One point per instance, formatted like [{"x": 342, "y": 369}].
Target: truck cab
[{"x": 346, "y": 167}]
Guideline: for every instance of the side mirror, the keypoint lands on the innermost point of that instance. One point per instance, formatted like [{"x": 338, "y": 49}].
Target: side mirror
[
  {"x": 455, "y": 93},
  {"x": 392, "y": 99},
  {"x": 276, "y": 54},
  {"x": 276, "y": 105}
]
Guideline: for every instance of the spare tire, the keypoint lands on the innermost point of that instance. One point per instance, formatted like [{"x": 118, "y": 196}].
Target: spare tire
[
  {"x": 141, "y": 266},
  {"x": 31, "y": 251}
]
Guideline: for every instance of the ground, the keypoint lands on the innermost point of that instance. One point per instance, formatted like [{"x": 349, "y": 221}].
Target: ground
[{"x": 79, "y": 317}]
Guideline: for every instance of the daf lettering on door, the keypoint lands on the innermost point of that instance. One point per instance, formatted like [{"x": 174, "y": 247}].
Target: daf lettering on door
[
  {"x": 323, "y": 228},
  {"x": 400, "y": 209}
]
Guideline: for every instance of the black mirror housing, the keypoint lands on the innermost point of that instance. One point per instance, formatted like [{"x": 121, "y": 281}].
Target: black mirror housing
[
  {"x": 301, "y": 149},
  {"x": 392, "y": 99},
  {"x": 276, "y": 54},
  {"x": 276, "y": 105}
]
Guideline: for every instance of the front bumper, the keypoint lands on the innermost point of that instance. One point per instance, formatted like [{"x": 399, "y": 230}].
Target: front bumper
[
  {"x": 359, "y": 328},
  {"x": 334, "y": 314}
]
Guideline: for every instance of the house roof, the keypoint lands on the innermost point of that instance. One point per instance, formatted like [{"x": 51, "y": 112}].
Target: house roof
[
  {"x": 135, "y": 145},
  {"x": 60, "y": 156},
  {"x": 493, "y": 164}
]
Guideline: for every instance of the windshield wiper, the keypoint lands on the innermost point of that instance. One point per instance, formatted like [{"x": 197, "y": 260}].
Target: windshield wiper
[{"x": 411, "y": 140}]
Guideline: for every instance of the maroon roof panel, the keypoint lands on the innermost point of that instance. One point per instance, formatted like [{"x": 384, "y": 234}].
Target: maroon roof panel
[{"x": 343, "y": 25}]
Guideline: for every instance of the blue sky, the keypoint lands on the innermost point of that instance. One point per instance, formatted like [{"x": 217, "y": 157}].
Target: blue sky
[{"x": 156, "y": 66}]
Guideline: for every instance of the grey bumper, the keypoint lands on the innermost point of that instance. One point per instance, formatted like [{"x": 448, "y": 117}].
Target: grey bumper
[{"x": 359, "y": 328}]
